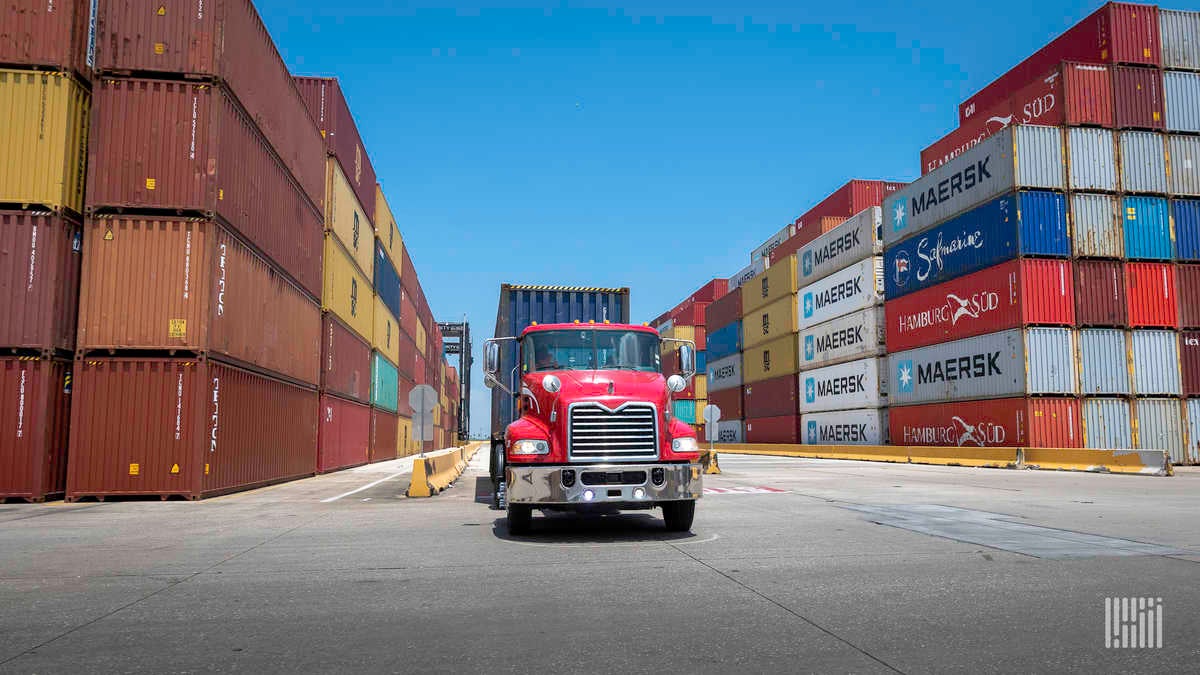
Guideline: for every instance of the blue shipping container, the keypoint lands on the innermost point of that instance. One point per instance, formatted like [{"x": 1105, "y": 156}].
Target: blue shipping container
[
  {"x": 1030, "y": 222},
  {"x": 701, "y": 362},
  {"x": 684, "y": 410},
  {"x": 1147, "y": 229},
  {"x": 1185, "y": 214},
  {"x": 724, "y": 342},
  {"x": 387, "y": 282}
]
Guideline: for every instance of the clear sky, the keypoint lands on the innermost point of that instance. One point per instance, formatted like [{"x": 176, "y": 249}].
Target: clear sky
[{"x": 649, "y": 144}]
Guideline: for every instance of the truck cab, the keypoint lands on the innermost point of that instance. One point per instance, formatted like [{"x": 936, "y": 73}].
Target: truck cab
[{"x": 595, "y": 428}]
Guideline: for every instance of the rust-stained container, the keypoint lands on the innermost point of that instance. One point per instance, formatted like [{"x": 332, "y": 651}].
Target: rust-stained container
[
  {"x": 723, "y": 312},
  {"x": 43, "y": 159},
  {"x": 729, "y": 401},
  {"x": 782, "y": 429},
  {"x": 1189, "y": 295},
  {"x": 385, "y": 430},
  {"x": 344, "y": 436},
  {"x": 46, "y": 33},
  {"x": 225, "y": 40},
  {"x": 326, "y": 102},
  {"x": 347, "y": 291},
  {"x": 346, "y": 218},
  {"x": 772, "y": 398},
  {"x": 386, "y": 231},
  {"x": 39, "y": 280},
  {"x": 192, "y": 286},
  {"x": 1138, "y": 95},
  {"x": 1100, "y": 293},
  {"x": 185, "y": 427},
  {"x": 188, "y": 147},
  {"x": 345, "y": 360},
  {"x": 1150, "y": 294},
  {"x": 35, "y": 408}
]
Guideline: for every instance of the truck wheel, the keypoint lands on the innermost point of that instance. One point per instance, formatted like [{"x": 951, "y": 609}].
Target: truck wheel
[
  {"x": 520, "y": 518},
  {"x": 678, "y": 515}
]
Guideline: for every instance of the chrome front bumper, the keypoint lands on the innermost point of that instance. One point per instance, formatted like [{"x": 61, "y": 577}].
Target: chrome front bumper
[{"x": 544, "y": 484}]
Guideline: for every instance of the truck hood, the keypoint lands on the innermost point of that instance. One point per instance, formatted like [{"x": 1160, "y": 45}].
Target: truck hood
[{"x": 609, "y": 387}]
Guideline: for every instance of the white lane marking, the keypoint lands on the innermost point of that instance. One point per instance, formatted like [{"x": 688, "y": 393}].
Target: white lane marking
[{"x": 368, "y": 486}]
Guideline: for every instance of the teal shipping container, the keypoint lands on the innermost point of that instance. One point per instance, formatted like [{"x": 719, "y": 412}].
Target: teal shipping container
[
  {"x": 1147, "y": 229},
  {"x": 385, "y": 383},
  {"x": 684, "y": 410}
]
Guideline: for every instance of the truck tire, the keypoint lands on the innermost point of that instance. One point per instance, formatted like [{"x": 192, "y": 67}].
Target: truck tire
[
  {"x": 520, "y": 519},
  {"x": 678, "y": 515}
]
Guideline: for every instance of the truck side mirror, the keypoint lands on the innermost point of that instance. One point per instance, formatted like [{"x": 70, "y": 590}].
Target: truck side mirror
[
  {"x": 491, "y": 359},
  {"x": 687, "y": 360}
]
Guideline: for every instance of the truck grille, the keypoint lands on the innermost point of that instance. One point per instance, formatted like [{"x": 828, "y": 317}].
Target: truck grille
[{"x": 598, "y": 433}]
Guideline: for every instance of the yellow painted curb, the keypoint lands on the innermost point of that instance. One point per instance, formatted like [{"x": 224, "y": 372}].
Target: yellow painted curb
[
  {"x": 1142, "y": 462},
  {"x": 994, "y": 458},
  {"x": 438, "y": 470}
]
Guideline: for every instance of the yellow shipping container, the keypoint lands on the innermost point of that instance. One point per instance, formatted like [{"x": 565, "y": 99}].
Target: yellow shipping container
[
  {"x": 386, "y": 231},
  {"x": 771, "y": 321},
  {"x": 346, "y": 292},
  {"x": 700, "y": 386},
  {"x": 419, "y": 338},
  {"x": 779, "y": 280},
  {"x": 43, "y": 151},
  {"x": 776, "y": 358},
  {"x": 345, "y": 217},
  {"x": 385, "y": 338},
  {"x": 404, "y": 442}
]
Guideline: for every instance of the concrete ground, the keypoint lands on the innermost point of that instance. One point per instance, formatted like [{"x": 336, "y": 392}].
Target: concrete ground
[{"x": 793, "y": 565}]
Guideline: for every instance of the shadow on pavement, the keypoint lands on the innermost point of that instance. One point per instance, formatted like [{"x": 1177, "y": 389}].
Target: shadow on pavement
[{"x": 593, "y": 528}]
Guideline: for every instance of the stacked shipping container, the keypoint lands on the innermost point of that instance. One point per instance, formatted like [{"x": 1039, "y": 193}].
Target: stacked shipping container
[{"x": 687, "y": 321}]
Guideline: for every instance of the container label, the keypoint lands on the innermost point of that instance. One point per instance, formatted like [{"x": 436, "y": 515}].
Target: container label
[
  {"x": 179, "y": 408},
  {"x": 21, "y": 406},
  {"x": 135, "y": 469},
  {"x": 195, "y": 114},
  {"x": 216, "y": 418},
  {"x": 33, "y": 253},
  {"x": 959, "y": 432},
  {"x": 977, "y": 367},
  {"x": 847, "y": 427},
  {"x": 221, "y": 271},
  {"x": 853, "y": 336},
  {"x": 842, "y": 387},
  {"x": 841, "y": 293},
  {"x": 91, "y": 39},
  {"x": 177, "y": 328},
  {"x": 187, "y": 265},
  {"x": 174, "y": 469}
]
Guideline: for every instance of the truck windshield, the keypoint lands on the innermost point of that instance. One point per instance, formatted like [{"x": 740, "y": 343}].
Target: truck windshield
[{"x": 590, "y": 350}]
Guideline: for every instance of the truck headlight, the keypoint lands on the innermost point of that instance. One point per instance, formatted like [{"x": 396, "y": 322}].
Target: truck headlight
[
  {"x": 685, "y": 444},
  {"x": 530, "y": 448}
]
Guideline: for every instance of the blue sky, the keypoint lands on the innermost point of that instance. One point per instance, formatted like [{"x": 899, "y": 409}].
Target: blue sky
[{"x": 649, "y": 145}]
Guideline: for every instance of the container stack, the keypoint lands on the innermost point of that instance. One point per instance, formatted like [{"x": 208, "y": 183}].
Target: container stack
[
  {"x": 723, "y": 327},
  {"x": 846, "y": 201},
  {"x": 770, "y": 359},
  {"x": 45, "y": 100},
  {"x": 686, "y": 321}
]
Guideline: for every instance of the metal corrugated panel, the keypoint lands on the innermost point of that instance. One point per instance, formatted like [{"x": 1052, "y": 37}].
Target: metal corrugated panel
[
  {"x": 1103, "y": 356},
  {"x": 344, "y": 436},
  {"x": 387, "y": 280},
  {"x": 1039, "y": 157},
  {"x": 347, "y": 219},
  {"x": 772, "y": 397},
  {"x": 1143, "y": 162},
  {"x": 43, "y": 158},
  {"x": 387, "y": 234},
  {"x": 1150, "y": 292},
  {"x": 1100, "y": 293},
  {"x": 345, "y": 360},
  {"x": 1192, "y": 455},
  {"x": 385, "y": 436},
  {"x": 764, "y": 249},
  {"x": 1183, "y": 101},
  {"x": 1188, "y": 279},
  {"x": 747, "y": 273},
  {"x": 1160, "y": 427},
  {"x": 1107, "y": 423},
  {"x": 326, "y": 103},
  {"x": 1147, "y": 229},
  {"x": 1185, "y": 223},
  {"x": 1093, "y": 159},
  {"x": 1043, "y": 218},
  {"x": 347, "y": 291},
  {"x": 845, "y": 386},
  {"x": 1180, "y": 39},
  {"x": 845, "y": 427},
  {"x": 1007, "y": 422},
  {"x": 856, "y": 287},
  {"x": 777, "y": 282},
  {"x": 1155, "y": 363},
  {"x": 771, "y": 359},
  {"x": 1189, "y": 361},
  {"x": 731, "y": 431},
  {"x": 39, "y": 280},
  {"x": 1096, "y": 227},
  {"x": 1050, "y": 354},
  {"x": 1183, "y": 156},
  {"x": 385, "y": 383},
  {"x": 849, "y": 242},
  {"x": 385, "y": 332},
  {"x": 1138, "y": 96},
  {"x": 728, "y": 400},
  {"x": 40, "y": 33},
  {"x": 846, "y": 338},
  {"x": 725, "y": 341},
  {"x": 35, "y": 404}
]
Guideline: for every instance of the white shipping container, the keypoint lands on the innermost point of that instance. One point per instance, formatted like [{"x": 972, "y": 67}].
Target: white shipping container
[
  {"x": 664, "y": 329},
  {"x": 1192, "y": 455},
  {"x": 731, "y": 431},
  {"x": 1097, "y": 227},
  {"x": 846, "y": 386},
  {"x": 1009, "y": 363},
  {"x": 1156, "y": 370},
  {"x": 747, "y": 273},
  {"x": 1182, "y": 94},
  {"x": 1183, "y": 153},
  {"x": 850, "y": 242},
  {"x": 1160, "y": 427},
  {"x": 1143, "y": 162},
  {"x": 1093, "y": 158},
  {"x": 857, "y": 287},
  {"x": 846, "y": 427},
  {"x": 764, "y": 249},
  {"x": 1103, "y": 360},
  {"x": 846, "y": 338},
  {"x": 1180, "y": 39},
  {"x": 1107, "y": 424},
  {"x": 725, "y": 373}
]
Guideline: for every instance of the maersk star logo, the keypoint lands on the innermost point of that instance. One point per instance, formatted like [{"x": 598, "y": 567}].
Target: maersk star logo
[
  {"x": 810, "y": 348},
  {"x": 810, "y": 390},
  {"x": 807, "y": 264},
  {"x": 808, "y": 305},
  {"x": 904, "y": 375},
  {"x": 812, "y": 432},
  {"x": 899, "y": 217}
]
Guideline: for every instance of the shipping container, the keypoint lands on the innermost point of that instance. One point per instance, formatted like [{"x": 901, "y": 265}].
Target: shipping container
[
  {"x": 1096, "y": 226},
  {"x": 1103, "y": 362},
  {"x": 326, "y": 103},
  {"x": 1182, "y": 93},
  {"x": 685, "y": 410},
  {"x": 1183, "y": 160},
  {"x": 387, "y": 280},
  {"x": 1027, "y": 223},
  {"x": 1189, "y": 295},
  {"x": 1180, "y": 41},
  {"x": 1193, "y": 428},
  {"x": 827, "y": 223},
  {"x": 1138, "y": 95},
  {"x": 1150, "y": 293},
  {"x": 405, "y": 444},
  {"x": 1007, "y": 422},
  {"x": 1100, "y": 293},
  {"x": 1014, "y": 362},
  {"x": 1092, "y": 157},
  {"x": 1189, "y": 362},
  {"x": 723, "y": 312},
  {"x": 854, "y": 240},
  {"x": 347, "y": 291},
  {"x": 385, "y": 332},
  {"x": 185, "y": 427},
  {"x": 846, "y": 427},
  {"x": 778, "y": 282},
  {"x": 187, "y": 147},
  {"x": 344, "y": 435},
  {"x": 709, "y": 292},
  {"x": 1107, "y": 423},
  {"x": 728, "y": 400},
  {"x": 724, "y": 342},
  {"x": 1118, "y": 32},
  {"x": 386, "y": 232},
  {"x": 43, "y": 160},
  {"x": 771, "y": 359},
  {"x": 228, "y": 42},
  {"x": 691, "y": 314},
  {"x": 724, "y": 373},
  {"x": 1017, "y": 157},
  {"x": 773, "y": 397},
  {"x": 346, "y": 218},
  {"x": 730, "y": 431},
  {"x": 1160, "y": 427},
  {"x": 190, "y": 285},
  {"x": 851, "y": 198},
  {"x": 769, "y": 322},
  {"x": 345, "y": 360},
  {"x": 784, "y": 429},
  {"x": 764, "y": 249},
  {"x": 385, "y": 435},
  {"x": 39, "y": 280},
  {"x": 845, "y": 386},
  {"x": 48, "y": 34},
  {"x": 385, "y": 385},
  {"x": 1155, "y": 363},
  {"x": 855, "y": 288},
  {"x": 1147, "y": 229},
  {"x": 35, "y": 404},
  {"x": 697, "y": 387},
  {"x": 746, "y": 274},
  {"x": 846, "y": 338},
  {"x": 1143, "y": 162}
]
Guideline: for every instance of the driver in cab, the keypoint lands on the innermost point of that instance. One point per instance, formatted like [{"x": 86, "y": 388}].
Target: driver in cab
[{"x": 544, "y": 358}]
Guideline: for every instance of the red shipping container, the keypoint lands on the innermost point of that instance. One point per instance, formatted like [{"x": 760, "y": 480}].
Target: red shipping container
[
  {"x": 844, "y": 202},
  {"x": 775, "y": 397},
  {"x": 421, "y": 372},
  {"x": 1070, "y": 94},
  {"x": 408, "y": 313},
  {"x": 1189, "y": 296},
  {"x": 1138, "y": 93},
  {"x": 187, "y": 147},
  {"x": 35, "y": 404},
  {"x": 1189, "y": 360},
  {"x": 224, "y": 40},
  {"x": 783, "y": 429},
  {"x": 345, "y": 360},
  {"x": 793, "y": 244},
  {"x": 1100, "y": 293},
  {"x": 708, "y": 293},
  {"x": 327, "y": 104},
  {"x": 1116, "y": 33},
  {"x": 185, "y": 427},
  {"x": 691, "y": 314},
  {"x": 39, "y": 281},
  {"x": 385, "y": 435},
  {"x": 723, "y": 312},
  {"x": 1010, "y": 295},
  {"x": 702, "y": 337},
  {"x": 46, "y": 33},
  {"x": 344, "y": 437},
  {"x": 406, "y": 386},
  {"x": 729, "y": 401},
  {"x": 1009, "y": 422},
  {"x": 1150, "y": 294},
  {"x": 408, "y": 355}
]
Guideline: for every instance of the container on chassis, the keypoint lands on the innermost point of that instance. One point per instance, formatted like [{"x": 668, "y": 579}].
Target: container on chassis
[
  {"x": 35, "y": 402},
  {"x": 1006, "y": 422}
]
